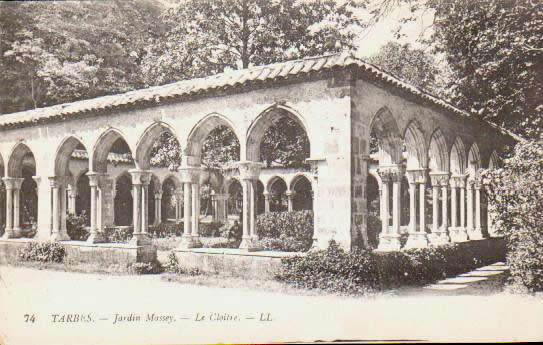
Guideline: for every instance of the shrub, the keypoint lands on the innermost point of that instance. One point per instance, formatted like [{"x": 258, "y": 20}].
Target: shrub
[
  {"x": 119, "y": 234},
  {"x": 212, "y": 229},
  {"x": 232, "y": 231},
  {"x": 75, "y": 225},
  {"x": 154, "y": 267},
  {"x": 163, "y": 230},
  {"x": 42, "y": 252},
  {"x": 172, "y": 265},
  {"x": 515, "y": 194},
  {"x": 288, "y": 231}
]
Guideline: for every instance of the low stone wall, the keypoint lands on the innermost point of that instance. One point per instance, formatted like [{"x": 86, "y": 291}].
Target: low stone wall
[
  {"x": 232, "y": 262},
  {"x": 109, "y": 257}
]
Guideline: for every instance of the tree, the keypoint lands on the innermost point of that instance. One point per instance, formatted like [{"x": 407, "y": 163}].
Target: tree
[
  {"x": 495, "y": 51},
  {"x": 414, "y": 66},
  {"x": 209, "y": 36}
]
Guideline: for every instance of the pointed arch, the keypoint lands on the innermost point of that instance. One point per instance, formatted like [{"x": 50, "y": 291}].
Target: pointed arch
[
  {"x": 145, "y": 143},
  {"x": 64, "y": 154},
  {"x": 494, "y": 161},
  {"x": 438, "y": 152},
  {"x": 274, "y": 179},
  {"x": 458, "y": 157},
  {"x": 102, "y": 147},
  {"x": 201, "y": 130},
  {"x": 416, "y": 146},
  {"x": 385, "y": 128},
  {"x": 15, "y": 160},
  {"x": 175, "y": 180},
  {"x": 474, "y": 159},
  {"x": 264, "y": 121},
  {"x": 297, "y": 178}
]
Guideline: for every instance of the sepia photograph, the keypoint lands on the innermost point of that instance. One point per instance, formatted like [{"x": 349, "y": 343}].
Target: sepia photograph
[{"x": 271, "y": 171}]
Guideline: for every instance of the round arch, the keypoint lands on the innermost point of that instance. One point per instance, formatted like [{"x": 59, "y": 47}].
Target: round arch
[
  {"x": 102, "y": 147},
  {"x": 438, "y": 153},
  {"x": 64, "y": 154},
  {"x": 458, "y": 157},
  {"x": 415, "y": 145},
  {"x": 201, "y": 130},
  {"x": 145, "y": 143},
  {"x": 15, "y": 161},
  {"x": 264, "y": 121},
  {"x": 385, "y": 128}
]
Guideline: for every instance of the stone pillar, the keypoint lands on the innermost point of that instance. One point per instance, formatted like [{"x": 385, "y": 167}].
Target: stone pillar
[
  {"x": 249, "y": 172},
  {"x": 266, "y": 202},
  {"x": 72, "y": 195},
  {"x": 95, "y": 232},
  {"x": 477, "y": 233},
  {"x": 58, "y": 230},
  {"x": 439, "y": 233},
  {"x": 191, "y": 193},
  {"x": 444, "y": 204},
  {"x": 417, "y": 235},
  {"x": 421, "y": 181},
  {"x": 140, "y": 190},
  {"x": 290, "y": 196},
  {"x": 458, "y": 231},
  {"x": 389, "y": 239},
  {"x": 9, "y": 233},
  {"x": 469, "y": 205},
  {"x": 158, "y": 208},
  {"x": 17, "y": 182}
]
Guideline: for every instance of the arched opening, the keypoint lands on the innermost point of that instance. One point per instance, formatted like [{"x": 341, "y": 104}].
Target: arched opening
[
  {"x": 458, "y": 157},
  {"x": 154, "y": 188},
  {"x": 158, "y": 147},
  {"x": 386, "y": 138},
  {"x": 171, "y": 211},
  {"x": 123, "y": 202},
  {"x": 235, "y": 200},
  {"x": 260, "y": 201},
  {"x": 303, "y": 194},
  {"x": 278, "y": 199},
  {"x": 438, "y": 163},
  {"x": 83, "y": 197}
]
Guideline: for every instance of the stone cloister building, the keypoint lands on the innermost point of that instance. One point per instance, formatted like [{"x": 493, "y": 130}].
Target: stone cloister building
[{"x": 338, "y": 100}]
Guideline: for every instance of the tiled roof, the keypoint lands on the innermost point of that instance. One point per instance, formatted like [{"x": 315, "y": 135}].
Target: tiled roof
[{"x": 230, "y": 80}]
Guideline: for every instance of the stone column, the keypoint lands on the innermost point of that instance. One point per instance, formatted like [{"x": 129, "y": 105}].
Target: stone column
[
  {"x": 439, "y": 233},
  {"x": 191, "y": 193},
  {"x": 249, "y": 172},
  {"x": 9, "y": 233},
  {"x": 445, "y": 204},
  {"x": 462, "y": 201},
  {"x": 58, "y": 231},
  {"x": 72, "y": 194},
  {"x": 458, "y": 231},
  {"x": 469, "y": 205},
  {"x": 421, "y": 181},
  {"x": 158, "y": 205},
  {"x": 389, "y": 239},
  {"x": 95, "y": 232},
  {"x": 417, "y": 235},
  {"x": 266, "y": 202},
  {"x": 290, "y": 196},
  {"x": 140, "y": 190},
  {"x": 17, "y": 182},
  {"x": 477, "y": 233}
]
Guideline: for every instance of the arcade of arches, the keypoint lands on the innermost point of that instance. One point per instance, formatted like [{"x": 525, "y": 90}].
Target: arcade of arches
[{"x": 420, "y": 187}]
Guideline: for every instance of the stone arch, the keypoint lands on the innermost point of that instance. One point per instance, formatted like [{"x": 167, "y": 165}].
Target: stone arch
[
  {"x": 415, "y": 145},
  {"x": 177, "y": 183},
  {"x": 385, "y": 128},
  {"x": 201, "y": 130},
  {"x": 302, "y": 199},
  {"x": 15, "y": 160},
  {"x": 64, "y": 154},
  {"x": 170, "y": 209},
  {"x": 494, "y": 161},
  {"x": 458, "y": 157},
  {"x": 102, "y": 147},
  {"x": 474, "y": 160},
  {"x": 274, "y": 179},
  {"x": 145, "y": 143},
  {"x": 438, "y": 153},
  {"x": 123, "y": 202},
  {"x": 278, "y": 201},
  {"x": 264, "y": 121}
]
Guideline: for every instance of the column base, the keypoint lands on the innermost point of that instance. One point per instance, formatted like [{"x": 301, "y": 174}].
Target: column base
[
  {"x": 458, "y": 234},
  {"x": 187, "y": 242},
  {"x": 196, "y": 242},
  {"x": 60, "y": 236},
  {"x": 96, "y": 238},
  {"x": 389, "y": 242},
  {"x": 9, "y": 233},
  {"x": 475, "y": 234},
  {"x": 438, "y": 238},
  {"x": 249, "y": 244},
  {"x": 141, "y": 239},
  {"x": 416, "y": 240}
]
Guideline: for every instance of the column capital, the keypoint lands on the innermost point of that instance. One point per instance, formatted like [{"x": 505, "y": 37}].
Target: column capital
[
  {"x": 12, "y": 182},
  {"x": 249, "y": 170},
  {"x": 458, "y": 181},
  {"x": 290, "y": 193},
  {"x": 158, "y": 195},
  {"x": 439, "y": 179},
  {"x": 142, "y": 177},
  {"x": 54, "y": 181},
  {"x": 392, "y": 173},
  {"x": 94, "y": 178},
  {"x": 416, "y": 176},
  {"x": 190, "y": 174}
]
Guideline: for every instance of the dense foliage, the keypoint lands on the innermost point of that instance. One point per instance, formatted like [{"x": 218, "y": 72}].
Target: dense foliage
[
  {"x": 362, "y": 271},
  {"x": 76, "y": 226},
  {"x": 515, "y": 194},
  {"x": 42, "y": 252},
  {"x": 286, "y": 231}
]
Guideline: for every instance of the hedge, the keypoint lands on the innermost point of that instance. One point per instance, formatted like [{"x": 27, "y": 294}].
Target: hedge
[{"x": 286, "y": 231}]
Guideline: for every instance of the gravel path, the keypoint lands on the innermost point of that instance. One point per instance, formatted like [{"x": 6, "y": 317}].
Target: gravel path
[{"x": 171, "y": 313}]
